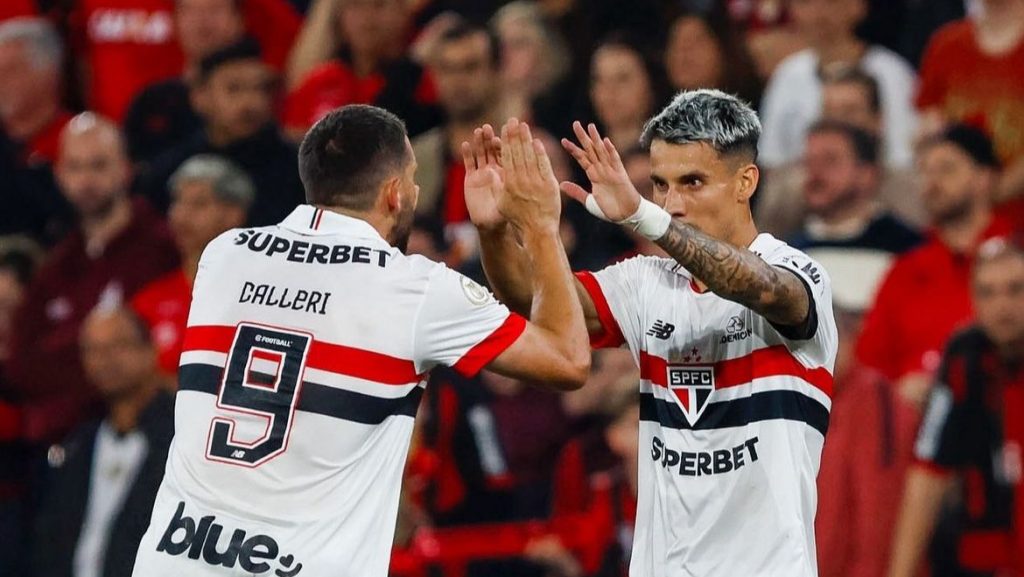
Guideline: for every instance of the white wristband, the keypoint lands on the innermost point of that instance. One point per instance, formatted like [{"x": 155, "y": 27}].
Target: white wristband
[{"x": 650, "y": 220}]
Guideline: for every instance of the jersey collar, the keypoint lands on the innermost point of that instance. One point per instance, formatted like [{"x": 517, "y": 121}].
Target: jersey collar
[{"x": 310, "y": 220}]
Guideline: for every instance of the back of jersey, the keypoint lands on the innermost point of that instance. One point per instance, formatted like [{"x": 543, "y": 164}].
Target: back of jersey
[{"x": 303, "y": 366}]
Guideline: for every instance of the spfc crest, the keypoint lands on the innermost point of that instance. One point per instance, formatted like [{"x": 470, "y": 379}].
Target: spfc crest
[{"x": 692, "y": 386}]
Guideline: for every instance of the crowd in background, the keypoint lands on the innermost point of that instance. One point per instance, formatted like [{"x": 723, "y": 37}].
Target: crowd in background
[{"x": 133, "y": 132}]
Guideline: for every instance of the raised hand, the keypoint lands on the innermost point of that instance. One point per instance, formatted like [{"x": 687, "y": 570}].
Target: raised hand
[
  {"x": 484, "y": 179},
  {"x": 531, "y": 197},
  {"x": 615, "y": 195}
]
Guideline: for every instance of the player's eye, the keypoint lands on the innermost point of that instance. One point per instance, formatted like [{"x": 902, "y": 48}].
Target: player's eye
[{"x": 660, "y": 186}]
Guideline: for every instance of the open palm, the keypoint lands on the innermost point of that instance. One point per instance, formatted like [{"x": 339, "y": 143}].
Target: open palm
[
  {"x": 611, "y": 188},
  {"x": 484, "y": 179}
]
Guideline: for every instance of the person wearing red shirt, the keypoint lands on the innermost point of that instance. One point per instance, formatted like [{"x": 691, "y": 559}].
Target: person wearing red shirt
[
  {"x": 127, "y": 45},
  {"x": 370, "y": 69},
  {"x": 971, "y": 73},
  {"x": 119, "y": 246},
  {"x": 210, "y": 195},
  {"x": 925, "y": 296},
  {"x": 968, "y": 470},
  {"x": 31, "y": 118}
]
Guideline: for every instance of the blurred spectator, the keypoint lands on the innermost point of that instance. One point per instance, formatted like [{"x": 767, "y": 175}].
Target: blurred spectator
[
  {"x": 906, "y": 25},
  {"x": 31, "y": 118},
  {"x": 460, "y": 473},
  {"x": 866, "y": 453},
  {"x": 209, "y": 196},
  {"x": 626, "y": 86},
  {"x": 126, "y": 45},
  {"x": 769, "y": 34},
  {"x": 971, "y": 73},
  {"x": 466, "y": 67},
  {"x": 535, "y": 63},
  {"x": 792, "y": 100},
  {"x": 707, "y": 50},
  {"x": 972, "y": 437},
  {"x": 104, "y": 478},
  {"x": 845, "y": 226},
  {"x": 17, "y": 261},
  {"x": 369, "y": 68},
  {"x": 925, "y": 296},
  {"x": 582, "y": 22},
  {"x": 605, "y": 499},
  {"x": 161, "y": 115},
  {"x": 233, "y": 94},
  {"x": 119, "y": 246},
  {"x": 849, "y": 96},
  {"x": 532, "y": 428}
]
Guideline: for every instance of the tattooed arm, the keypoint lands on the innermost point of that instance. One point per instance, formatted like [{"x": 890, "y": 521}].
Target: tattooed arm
[
  {"x": 731, "y": 272},
  {"x": 739, "y": 275}
]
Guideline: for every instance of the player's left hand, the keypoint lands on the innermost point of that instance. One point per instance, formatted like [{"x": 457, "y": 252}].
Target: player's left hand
[
  {"x": 613, "y": 197},
  {"x": 484, "y": 182},
  {"x": 530, "y": 199}
]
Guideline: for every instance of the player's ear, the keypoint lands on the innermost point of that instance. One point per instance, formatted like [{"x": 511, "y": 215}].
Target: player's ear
[
  {"x": 748, "y": 176},
  {"x": 391, "y": 192}
]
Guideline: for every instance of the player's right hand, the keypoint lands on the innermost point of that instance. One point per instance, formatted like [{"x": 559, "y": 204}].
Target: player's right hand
[
  {"x": 484, "y": 181},
  {"x": 531, "y": 197},
  {"x": 612, "y": 196}
]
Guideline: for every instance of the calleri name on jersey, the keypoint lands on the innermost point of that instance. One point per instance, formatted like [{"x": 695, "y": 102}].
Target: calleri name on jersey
[
  {"x": 733, "y": 416},
  {"x": 305, "y": 357}
]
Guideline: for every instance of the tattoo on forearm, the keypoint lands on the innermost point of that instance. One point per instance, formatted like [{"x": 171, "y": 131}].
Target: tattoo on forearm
[{"x": 737, "y": 274}]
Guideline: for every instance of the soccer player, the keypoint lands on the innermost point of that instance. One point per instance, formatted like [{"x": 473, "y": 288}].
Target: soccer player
[
  {"x": 734, "y": 336},
  {"x": 306, "y": 354}
]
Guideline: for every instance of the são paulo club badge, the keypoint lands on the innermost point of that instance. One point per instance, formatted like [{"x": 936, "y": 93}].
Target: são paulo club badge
[{"x": 692, "y": 385}]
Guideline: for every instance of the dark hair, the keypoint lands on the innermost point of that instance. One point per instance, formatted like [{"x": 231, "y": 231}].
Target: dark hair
[
  {"x": 464, "y": 29},
  {"x": 864, "y": 144},
  {"x": 739, "y": 72},
  {"x": 973, "y": 142},
  {"x": 651, "y": 60},
  {"x": 346, "y": 155},
  {"x": 244, "y": 49},
  {"x": 854, "y": 75},
  {"x": 20, "y": 263}
]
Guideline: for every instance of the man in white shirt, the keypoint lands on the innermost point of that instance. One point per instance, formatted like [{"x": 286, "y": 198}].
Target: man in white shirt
[
  {"x": 793, "y": 98},
  {"x": 307, "y": 350},
  {"x": 734, "y": 336}
]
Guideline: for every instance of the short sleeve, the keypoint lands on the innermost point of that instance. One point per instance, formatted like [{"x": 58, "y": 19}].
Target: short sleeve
[
  {"x": 820, "y": 321},
  {"x": 615, "y": 293},
  {"x": 461, "y": 325}
]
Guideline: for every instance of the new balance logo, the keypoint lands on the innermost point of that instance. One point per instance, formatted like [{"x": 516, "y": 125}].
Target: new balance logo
[{"x": 661, "y": 330}]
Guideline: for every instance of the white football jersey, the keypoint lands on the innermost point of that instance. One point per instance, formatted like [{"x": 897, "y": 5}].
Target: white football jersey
[
  {"x": 305, "y": 357},
  {"x": 733, "y": 416}
]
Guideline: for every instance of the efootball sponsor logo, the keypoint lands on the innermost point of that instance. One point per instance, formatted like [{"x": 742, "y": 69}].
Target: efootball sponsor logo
[{"x": 205, "y": 540}]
